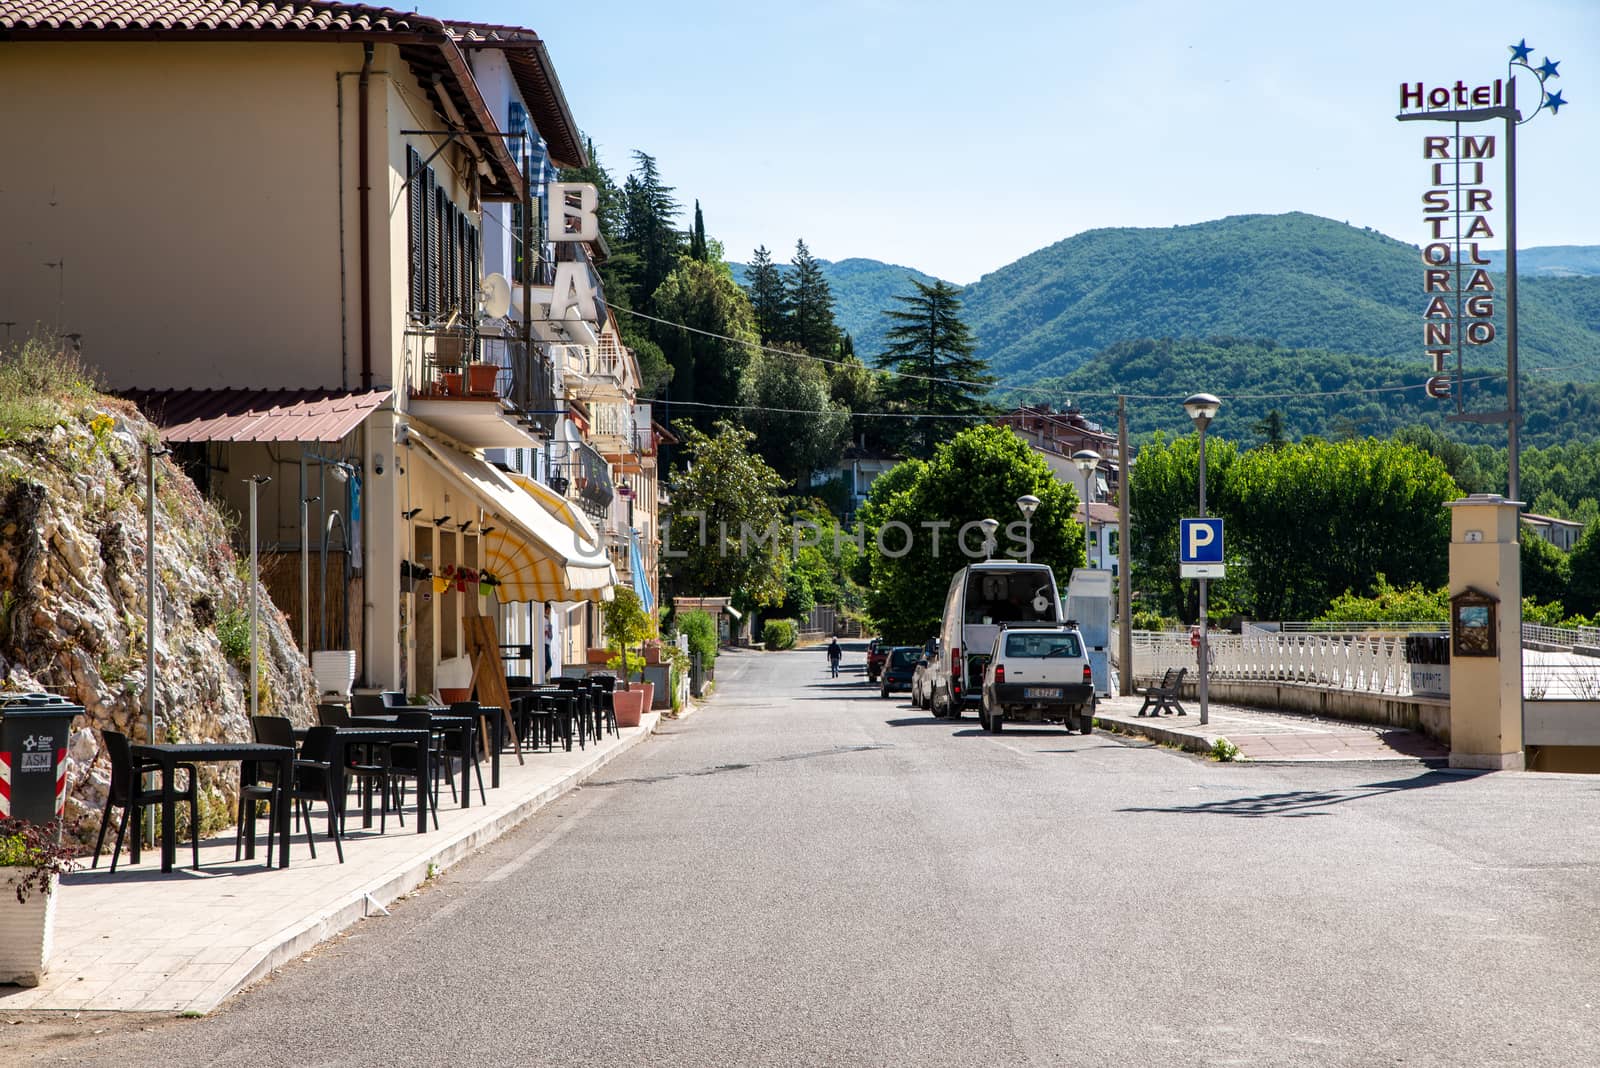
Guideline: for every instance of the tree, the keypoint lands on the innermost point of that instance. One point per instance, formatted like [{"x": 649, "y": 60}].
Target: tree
[
  {"x": 1546, "y": 571},
  {"x": 857, "y": 388},
  {"x": 810, "y": 305},
  {"x": 931, "y": 354},
  {"x": 923, "y": 507},
  {"x": 1584, "y": 565},
  {"x": 697, "y": 236},
  {"x": 1163, "y": 487},
  {"x": 1270, "y": 427},
  {"x": 649, "y": 227},
  {"x": 626, "y": 623},
  {"x": 769, "y": 297},
  {"x": 787, "y": 406},
  {"x": 722, "y": 532},
  {"x": 706, "y": 366}
]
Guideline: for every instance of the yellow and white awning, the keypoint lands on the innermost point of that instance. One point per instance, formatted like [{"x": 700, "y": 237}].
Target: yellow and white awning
[{"x": 535, "y": 555}]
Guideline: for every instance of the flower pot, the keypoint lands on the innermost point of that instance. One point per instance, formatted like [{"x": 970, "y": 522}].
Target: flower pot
[
  {"x": 450, "y": 383},
  {"x": 649, "y": 689},
  {"x": 26, "y": 931},
  {"x": 652, "y": 654},
  {"x": 481, "y": 377},
  {"x": 451, "y": 694},
  {"x": 629, "y": 705}
]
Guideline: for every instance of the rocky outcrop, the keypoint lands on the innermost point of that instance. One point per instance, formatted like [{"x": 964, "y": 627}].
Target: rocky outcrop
[{"x": 73, "y": 602}]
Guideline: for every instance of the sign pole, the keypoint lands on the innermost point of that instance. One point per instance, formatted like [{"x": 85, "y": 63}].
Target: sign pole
[{"x": 1204, "y": 624}]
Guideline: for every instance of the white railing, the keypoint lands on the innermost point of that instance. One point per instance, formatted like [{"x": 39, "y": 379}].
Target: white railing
[
  {"x": 1358, "y": 662},
  {"x": 1564, "y": 637},
  {"x": 612, "y": 420}
]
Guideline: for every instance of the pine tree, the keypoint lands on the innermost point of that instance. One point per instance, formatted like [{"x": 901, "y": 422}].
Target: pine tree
[
  {"x": 931, "y": 352},
  {"x": 697, "y": 237},
  {"x": 811, "y": 324},
  {"x": 769, "y": 296},
  {"x": 650, "y": 228}
]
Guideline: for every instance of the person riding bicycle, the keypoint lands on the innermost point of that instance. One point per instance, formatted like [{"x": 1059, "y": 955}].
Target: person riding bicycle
[{"x": 834, "y": 653}]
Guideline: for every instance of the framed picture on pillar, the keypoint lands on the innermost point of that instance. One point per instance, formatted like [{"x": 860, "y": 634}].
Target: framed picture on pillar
[{"x": 1474, "y": 623}]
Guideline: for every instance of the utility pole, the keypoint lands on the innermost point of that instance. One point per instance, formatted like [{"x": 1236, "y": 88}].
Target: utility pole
[{"x": 1124, "y": 575}]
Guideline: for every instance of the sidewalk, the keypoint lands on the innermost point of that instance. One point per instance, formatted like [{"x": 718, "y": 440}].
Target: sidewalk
[
  {"x": 1262, "y": 735},
  {"x": 143, "y": 941}
]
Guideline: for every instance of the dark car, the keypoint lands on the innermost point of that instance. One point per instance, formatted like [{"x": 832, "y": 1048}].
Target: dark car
[
  {"x": 899, "y": 665},
  {"x": 876, "y": 653}
]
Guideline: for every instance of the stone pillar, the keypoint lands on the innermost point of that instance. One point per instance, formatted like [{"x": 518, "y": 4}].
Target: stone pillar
[
  {"x": 382, "y": 552},
  {"x": 1486, "y": 691}
]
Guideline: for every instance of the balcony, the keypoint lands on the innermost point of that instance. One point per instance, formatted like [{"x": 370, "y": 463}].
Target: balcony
[{"x": 473, "y": 388}]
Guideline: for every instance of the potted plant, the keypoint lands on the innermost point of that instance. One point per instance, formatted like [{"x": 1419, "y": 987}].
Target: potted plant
[
  {"x": 32, "y": 861},
  {"x": 481, "y": 377},
  {"x": 627, "y": 624}
]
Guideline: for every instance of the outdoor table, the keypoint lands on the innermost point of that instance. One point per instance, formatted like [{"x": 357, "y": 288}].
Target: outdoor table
[
  {"x": 168, "y": 756},
  {"x": 442, "y": 719},
  {"x": 571, "y": 708},
  {"x": 373, "y": 730}
]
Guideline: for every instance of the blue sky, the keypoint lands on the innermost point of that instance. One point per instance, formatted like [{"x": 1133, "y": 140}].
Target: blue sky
[{"x": 957, "y": 137}]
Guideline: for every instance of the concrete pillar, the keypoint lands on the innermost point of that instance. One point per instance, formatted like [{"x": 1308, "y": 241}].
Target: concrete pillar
[
  {"x": 1486, "y": 691},
  {"x": 382, "y": 552}
]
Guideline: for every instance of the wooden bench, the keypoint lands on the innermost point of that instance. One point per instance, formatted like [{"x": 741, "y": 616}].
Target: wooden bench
[{"x": 1163, "y": 696}]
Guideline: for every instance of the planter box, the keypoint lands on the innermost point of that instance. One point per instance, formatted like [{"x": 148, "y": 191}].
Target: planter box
[
  {"x": 481, "y": 377},
  {"x": 26, "y": 931}
]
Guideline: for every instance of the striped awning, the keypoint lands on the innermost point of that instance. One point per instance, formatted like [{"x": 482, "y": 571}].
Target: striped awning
[{"x": 534, "y": 555}]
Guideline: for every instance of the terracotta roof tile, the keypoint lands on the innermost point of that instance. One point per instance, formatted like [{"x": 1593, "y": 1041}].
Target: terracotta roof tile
[{"x": 208, "y": 16}]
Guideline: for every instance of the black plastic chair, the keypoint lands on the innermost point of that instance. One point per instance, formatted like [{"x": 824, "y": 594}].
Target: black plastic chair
[
  {"x": 605, "y": 711},
  {"x": 394, "y": 699},
  {"x": 369, "y": 769},
  {"x": 128, "y": 792},
  {"x": 405, "y": 762},
  {"x": 314, "y": 781},
  {"x": 262, "y": 784},
  {"x": 332, "y": 715},
  {"x": 459, "y": 743},
  {"x": 368, "y": 704}
]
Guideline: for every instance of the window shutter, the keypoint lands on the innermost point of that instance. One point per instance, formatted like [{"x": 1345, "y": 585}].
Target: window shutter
[
  {"x": 416, "y": 232},
  {"x": 431, "y": 301}
]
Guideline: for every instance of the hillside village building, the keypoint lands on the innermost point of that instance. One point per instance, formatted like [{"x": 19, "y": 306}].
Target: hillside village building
[{"x": 271, "y": 225}]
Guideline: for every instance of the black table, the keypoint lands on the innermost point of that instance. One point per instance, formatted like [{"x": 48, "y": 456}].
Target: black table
[
  {"x": 374, "y": 730},
  {"x": 441, "y": 720},
  {"x": 168, "y": 756}
]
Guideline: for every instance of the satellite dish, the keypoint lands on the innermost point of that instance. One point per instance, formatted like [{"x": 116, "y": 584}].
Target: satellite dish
[{"x": 494, "y": 296}]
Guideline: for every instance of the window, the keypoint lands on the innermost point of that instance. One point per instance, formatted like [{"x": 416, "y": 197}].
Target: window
[
  {"x": 1009, "y": 597},
  {"x": 1042, "y": 646}
]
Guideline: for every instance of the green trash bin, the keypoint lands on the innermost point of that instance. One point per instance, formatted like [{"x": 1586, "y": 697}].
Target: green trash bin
[{"x": 33, "y": 755}]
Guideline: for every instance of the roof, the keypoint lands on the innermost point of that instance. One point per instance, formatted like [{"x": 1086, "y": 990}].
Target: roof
[
  {"x": 1101, "y": 512},
  {"x": 428, "y": 48},
  {"x": 1536, "y": 518},
  {"x": 536, "y": 81},
  {"x": 256, "y": 415}
]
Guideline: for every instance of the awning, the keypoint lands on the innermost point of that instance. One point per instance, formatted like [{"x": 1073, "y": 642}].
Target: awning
[
  {"x": 256, "y": 416},
  {"x": 533, "y": 554},
  {"x": 560, "y": 507}
]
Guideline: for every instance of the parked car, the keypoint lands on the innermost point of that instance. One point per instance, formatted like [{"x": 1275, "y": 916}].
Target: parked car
[
  {"x": 899, "y": 664},
  {"x": 877, "y": 652},
  {"x": 922, "y": 677},
  {"x": 982, "y": 598},
  {"x": 1038, "y": 674}
]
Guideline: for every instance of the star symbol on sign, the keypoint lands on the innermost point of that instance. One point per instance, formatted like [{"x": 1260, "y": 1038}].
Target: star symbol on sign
[
  {"x": 1554, "y": 102},
  {"x": 1547, "y": 69},
  {"x": 1520, "y": 50}
]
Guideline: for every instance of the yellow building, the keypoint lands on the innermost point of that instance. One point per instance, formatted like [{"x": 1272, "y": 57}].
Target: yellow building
[{"x": 268, "y": 222}]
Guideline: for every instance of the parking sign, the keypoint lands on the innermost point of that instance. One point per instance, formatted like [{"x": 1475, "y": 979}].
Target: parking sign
[{"x": 1200, "y": 548}]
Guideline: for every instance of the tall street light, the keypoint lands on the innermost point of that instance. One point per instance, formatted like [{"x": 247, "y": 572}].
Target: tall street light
[
  {"x": 1086, "y": 460},
  {"x": 1028, "y": 504},
  {"x": 1202, "y": 408}
]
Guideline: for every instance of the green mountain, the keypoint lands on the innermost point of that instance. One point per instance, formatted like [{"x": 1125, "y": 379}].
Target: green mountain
[
  {"x": 1553, "y": 261},
  {"x": 1298, "y": 279}
]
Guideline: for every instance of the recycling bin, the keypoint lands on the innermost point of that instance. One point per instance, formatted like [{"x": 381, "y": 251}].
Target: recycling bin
[{"x": 33, "y": 755}]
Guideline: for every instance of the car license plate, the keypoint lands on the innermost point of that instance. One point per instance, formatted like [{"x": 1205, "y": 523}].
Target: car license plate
[{"x": 1040, "y": 693}]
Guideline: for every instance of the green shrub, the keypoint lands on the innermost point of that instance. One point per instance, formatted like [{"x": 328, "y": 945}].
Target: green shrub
[
  {"x": 233, "y": 631},
  {"x": 779, "y": 633},
  {"x": 1224, "y": 750},
  {"x": 1146, "y": 619},
  {"x": 40, "y": 384},
  {"x": 702, "y": 633}
]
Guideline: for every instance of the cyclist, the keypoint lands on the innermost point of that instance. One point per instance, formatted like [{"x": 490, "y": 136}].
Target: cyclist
[{"x": 834, "y": 653}]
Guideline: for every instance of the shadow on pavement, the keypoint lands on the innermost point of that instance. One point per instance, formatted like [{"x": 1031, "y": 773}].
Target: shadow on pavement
[{"x": 1299, "y": 804}]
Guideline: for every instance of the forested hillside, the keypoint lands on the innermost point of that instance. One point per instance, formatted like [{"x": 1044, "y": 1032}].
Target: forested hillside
[
  {"x": 1298, "y": 279},
  {"x": 862, "y": 290},
  {"x": 1316, "y": 391}
]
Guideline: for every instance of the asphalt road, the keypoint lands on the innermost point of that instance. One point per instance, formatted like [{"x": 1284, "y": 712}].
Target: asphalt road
[{"x": 802, "y": 873}]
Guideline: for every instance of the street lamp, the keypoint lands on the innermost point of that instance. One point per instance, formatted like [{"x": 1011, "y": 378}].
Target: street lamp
[
  {"x": 1202, "y": 408},
  {"x": 989, "y": 526},
  {"x": 1086, "y": 460},
  {"x": 1028, "y": 504}
]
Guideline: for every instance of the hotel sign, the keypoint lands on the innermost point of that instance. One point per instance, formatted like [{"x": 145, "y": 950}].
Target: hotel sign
[{"x": 1458, "y": 209}]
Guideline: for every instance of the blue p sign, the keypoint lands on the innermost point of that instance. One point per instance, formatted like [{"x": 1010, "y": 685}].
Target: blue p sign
[{"x": 1200, "y": 541}]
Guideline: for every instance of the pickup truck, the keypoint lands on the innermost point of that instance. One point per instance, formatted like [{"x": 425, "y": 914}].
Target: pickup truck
[{"x": 1038, "y": 674}]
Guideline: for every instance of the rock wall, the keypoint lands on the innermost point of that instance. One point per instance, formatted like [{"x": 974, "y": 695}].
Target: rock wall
[{"x": 73, "y": 604}]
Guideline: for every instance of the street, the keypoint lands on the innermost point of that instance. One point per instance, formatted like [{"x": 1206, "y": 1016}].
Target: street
[{"x": 803, "y": 873}]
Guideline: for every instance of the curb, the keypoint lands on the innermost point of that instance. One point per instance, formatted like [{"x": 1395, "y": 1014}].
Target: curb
[
  {"x": 1188, "y": 741},
  {"x": 305, "y": 935}
]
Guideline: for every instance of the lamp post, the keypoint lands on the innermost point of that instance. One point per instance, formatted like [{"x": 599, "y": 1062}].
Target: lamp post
[
  {"x": 1028, "y": 504},
  {"x": 255, "y": 482},
  {"x": 989, "y": 526},
  {"x": 1086, "y": 461},
  {"x": 1202, "y": 408}
]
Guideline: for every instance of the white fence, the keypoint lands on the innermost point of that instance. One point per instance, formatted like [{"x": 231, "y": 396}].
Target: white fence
[{"x": 1366, "y": 663}]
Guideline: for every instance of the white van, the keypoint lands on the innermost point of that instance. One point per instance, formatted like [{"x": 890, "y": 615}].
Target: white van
[{"x": 983, "y": 596}]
